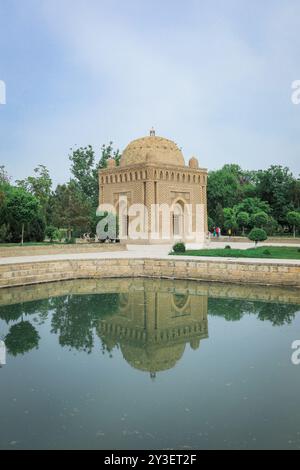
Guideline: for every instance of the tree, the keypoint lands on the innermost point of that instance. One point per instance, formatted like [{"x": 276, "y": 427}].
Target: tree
[
  {"x": 39, "y": 185},
  {"x": 3, "y": 233},
  {"x": 230, "y": 225},
  {"x": 35, "y": 231},
  {"x": 219, "y": 215},
  {"x": 21, "y": 208},
  {"x": 4, "y": 178},
  {"x": 232, "y": 310},
  {"x": 260, "y": 219},
  {"x": 221, "y": 191},
  {"x": 271, "y": 226},
  {"x": 243, "y": 220},
  {"x": 108, "y": 152},
  {"x": 84, "y": 169},
  {"x": 293, "y": 219},
  {"x": 70, "y": 209},
  {"x": 211, "y": 224},
  {"x": 257, "y": 235},
  {"x": 296, "y": 194},
  {"x": 276, "y": 186},
  {"x": 252, "y": 205},
  {"x": 227, "y": 187},
  {"x": 278, "y": 314},
  {"x": 21, "y": 338},
  {"x": 245, "y": 214},
  {"x": 230, "y": 222},
  {"x": 76, "y": 317},
  {"x": 4, "y": 186}
]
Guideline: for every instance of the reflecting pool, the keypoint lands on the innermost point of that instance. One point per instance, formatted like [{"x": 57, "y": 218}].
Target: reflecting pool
[{"x": 148, "y": 364}]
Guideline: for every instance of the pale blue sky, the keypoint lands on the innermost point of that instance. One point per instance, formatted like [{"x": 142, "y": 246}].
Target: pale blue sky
[{"x": 215, "y": 76}]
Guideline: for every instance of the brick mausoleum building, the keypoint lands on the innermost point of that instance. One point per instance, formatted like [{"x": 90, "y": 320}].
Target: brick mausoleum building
[{"x": 152, "y": 172}]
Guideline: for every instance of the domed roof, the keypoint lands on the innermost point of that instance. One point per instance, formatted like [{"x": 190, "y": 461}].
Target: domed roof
[
  {"x": 152, "y": 149},
  {"x": 152, "y": 358}
]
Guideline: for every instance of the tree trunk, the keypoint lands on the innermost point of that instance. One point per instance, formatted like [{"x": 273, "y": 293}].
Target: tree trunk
[
  {"x": 22, "y": 238},
  {"x": 294, "y": 231}
]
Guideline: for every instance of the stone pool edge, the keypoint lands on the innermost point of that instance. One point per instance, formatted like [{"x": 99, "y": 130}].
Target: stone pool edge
[{"x": 228, "y": 271}]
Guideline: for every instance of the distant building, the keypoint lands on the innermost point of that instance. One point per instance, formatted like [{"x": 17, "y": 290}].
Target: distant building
[{"x": 153, "y": 173}]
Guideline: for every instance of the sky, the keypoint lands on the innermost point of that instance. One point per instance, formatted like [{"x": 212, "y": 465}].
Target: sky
[{"x": 215, "y": 76}]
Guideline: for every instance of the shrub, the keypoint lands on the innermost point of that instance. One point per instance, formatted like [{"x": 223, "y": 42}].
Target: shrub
[
  {"x": 227, "y": 247},
  {"x": 257, "y": 235},
  {"x": 51, "y": 232},
  {"x": 71, "y": 241},
  {"x": 179, "y": 248},
  {"x": 267, "y": 252}
]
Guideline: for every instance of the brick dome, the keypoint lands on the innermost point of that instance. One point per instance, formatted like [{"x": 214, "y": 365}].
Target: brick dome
[{"x": 152, "y": 149}]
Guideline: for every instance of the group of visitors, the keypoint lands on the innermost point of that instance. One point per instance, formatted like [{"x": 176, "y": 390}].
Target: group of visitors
[{"x": 216, "y": 232}]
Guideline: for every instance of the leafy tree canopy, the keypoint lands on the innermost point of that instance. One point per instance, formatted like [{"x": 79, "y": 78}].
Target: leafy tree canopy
[{"x": 85, "y": 166}]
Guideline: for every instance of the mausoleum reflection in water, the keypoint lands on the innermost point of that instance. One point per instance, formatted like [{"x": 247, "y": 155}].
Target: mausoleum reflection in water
[
  {"x": 150, "y": 321},
  {"x": 153, "y": 326}
]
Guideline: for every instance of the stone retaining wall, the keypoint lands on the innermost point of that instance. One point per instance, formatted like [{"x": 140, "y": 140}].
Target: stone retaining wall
[
  {"x": 33, "y": 292},
  {"x": 223, "y": 271}
]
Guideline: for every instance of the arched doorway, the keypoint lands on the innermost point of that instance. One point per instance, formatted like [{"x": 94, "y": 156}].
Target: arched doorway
[
  {"x": 178, "y": 220},
  {"x": 123, "y": 217}
]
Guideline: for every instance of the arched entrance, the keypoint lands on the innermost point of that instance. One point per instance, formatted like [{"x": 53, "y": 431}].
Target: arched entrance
[
  {"x": 178, "y": 220},
  {"x": 123, "y": 217}
]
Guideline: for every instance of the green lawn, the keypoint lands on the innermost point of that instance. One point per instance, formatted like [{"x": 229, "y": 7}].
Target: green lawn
[{"x": 268, "y": 252}]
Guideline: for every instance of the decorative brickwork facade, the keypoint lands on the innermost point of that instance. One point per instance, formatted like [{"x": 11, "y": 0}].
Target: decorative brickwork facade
[{"x": 152, "y": 172}]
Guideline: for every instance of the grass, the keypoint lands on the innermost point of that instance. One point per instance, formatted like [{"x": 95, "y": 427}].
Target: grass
[{"x": 266, "y": 252}]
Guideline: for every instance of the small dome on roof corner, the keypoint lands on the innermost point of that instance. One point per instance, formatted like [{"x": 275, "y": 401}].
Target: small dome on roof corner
[
  {"x": 111, "y": 163},
  {"x": 194, "y": 163}
]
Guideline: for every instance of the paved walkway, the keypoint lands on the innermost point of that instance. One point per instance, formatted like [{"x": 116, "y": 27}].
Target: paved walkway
[{"x": 141, "y": 252}]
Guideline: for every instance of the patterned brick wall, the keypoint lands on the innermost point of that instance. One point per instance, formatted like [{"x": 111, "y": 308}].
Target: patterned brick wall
[{"x": 156, "y": 184}]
